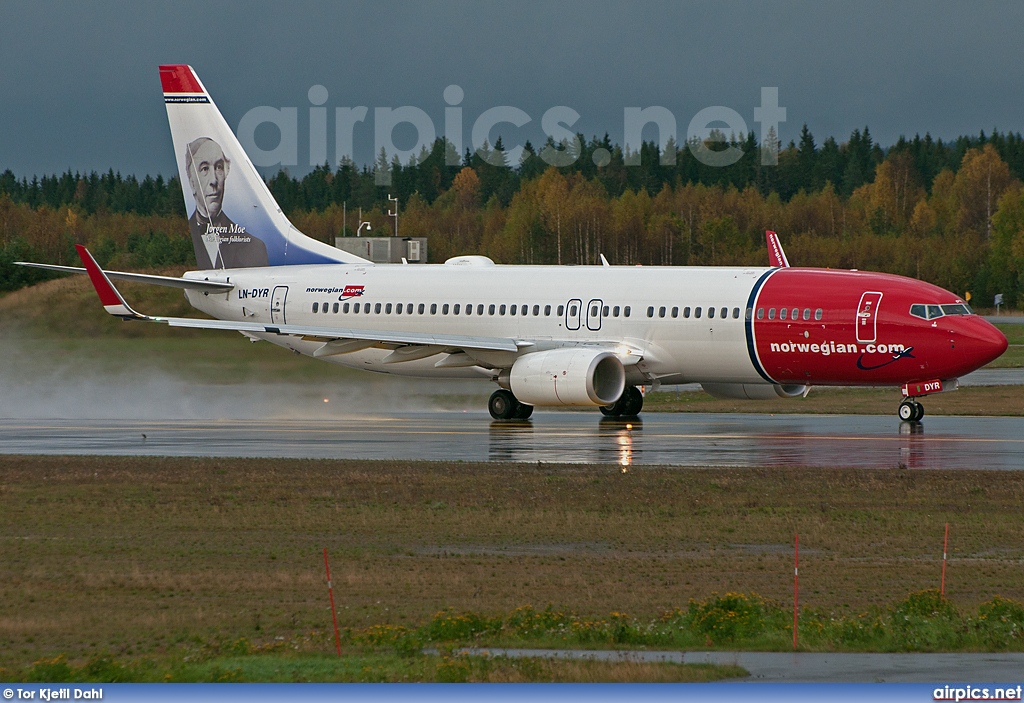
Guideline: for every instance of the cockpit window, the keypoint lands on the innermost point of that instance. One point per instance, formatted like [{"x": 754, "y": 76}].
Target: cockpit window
[
  {"x": 932, "y": 312},
  {"x": 957, "y": 309}
]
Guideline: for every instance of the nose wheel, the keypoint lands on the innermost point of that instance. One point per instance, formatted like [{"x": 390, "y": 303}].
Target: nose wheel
[{"x": 911, "y": 411}]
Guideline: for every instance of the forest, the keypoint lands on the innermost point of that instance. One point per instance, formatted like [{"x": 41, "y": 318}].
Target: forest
[{"x": 951, "y": 213}]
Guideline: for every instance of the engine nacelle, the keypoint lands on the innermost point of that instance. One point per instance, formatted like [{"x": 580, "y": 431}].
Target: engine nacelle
[
  {"x": 753, "y": 391},
  {"x": 569, "y": 376}
]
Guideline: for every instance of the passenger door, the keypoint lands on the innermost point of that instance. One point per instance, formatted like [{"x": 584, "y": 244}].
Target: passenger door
[
  {"x": 277, "y": 303},
  {"x": 867, "y": 316}
]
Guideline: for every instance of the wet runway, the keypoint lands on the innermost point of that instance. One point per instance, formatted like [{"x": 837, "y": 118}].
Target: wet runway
[{"x": 681, "y": 439}]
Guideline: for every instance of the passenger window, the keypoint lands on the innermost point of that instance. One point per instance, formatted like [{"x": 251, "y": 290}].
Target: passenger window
[
  {"x": 796, "y": 314},
  {"x": 469, "y": 309},
  {"x": 344, "y": 308},
  {"x": 807, "y": 313},
  {"x": 334, "y": 308},
  {"x": 661, "y": 311},
  {"x": 480, "y": 309},
  {"x": 593, "y": 311},
  {"x": 316, "y": 307},
  {"x": 421, "y": 308},
  {"x": 771, "y": 313},
  {"x": 433, "y": 308},
  {"x": 615, "y": 311},
  {"x": 387, "y": 309},
  {"x": 326, "y": 308},
  {"x": 366, "y": 308},
  {"x": 696, "y": 312},
  {"x": 711, "y": 313},
  {"x": 512, "y": 310},
  {"x": 675, "y": 312},
  {"x": 501, "y": 310},
  {"x": 536, "y": 310},
  {"x": 735, "y": 313},
  {"x": 490, "y": 309},
  {"x": 626, "y": 310},
  {"x": 605, "y": 311},
  {"x": 650, "y": 311},
  {"x": 398, "y": 309},
  {"x": 444, "y": 309},
  {"x": 572, "y": 311},
  {"x": 783, "y": 313},
  {"x": 817, "y": 314},
  {"x": 355, "y": 308},
  {"x": 523, "y": 311},
  {"x": 561, "y": 310},
  {"x": 455, "y": 309},
  {"x": 376, "y": 309},
  {"x": 686, "y": 312},
  {"x": 547, "y": 311},
  {"x": 749, "y": 314},
  {"x": 760, "y": 313}
]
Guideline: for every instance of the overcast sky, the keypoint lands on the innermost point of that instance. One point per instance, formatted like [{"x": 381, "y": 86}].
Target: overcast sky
[{"x": 79, "y": 86}]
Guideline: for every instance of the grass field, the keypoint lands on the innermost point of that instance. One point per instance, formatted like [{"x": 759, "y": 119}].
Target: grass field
[{"x": 204, "y": 568}]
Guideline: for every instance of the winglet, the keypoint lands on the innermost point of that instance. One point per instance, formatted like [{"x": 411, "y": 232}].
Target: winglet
[
  {"x": 112, "y": 301},
  {"x": 776, "y": 256}
]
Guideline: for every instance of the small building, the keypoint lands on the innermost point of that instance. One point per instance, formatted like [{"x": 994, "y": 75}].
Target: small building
[{"x": 385, "y": 250}]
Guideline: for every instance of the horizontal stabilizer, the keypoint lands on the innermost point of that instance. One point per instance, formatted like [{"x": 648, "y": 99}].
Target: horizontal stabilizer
[{"x": 169, "y": 281}]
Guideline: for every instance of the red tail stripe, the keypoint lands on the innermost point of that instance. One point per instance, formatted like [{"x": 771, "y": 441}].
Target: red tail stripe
[{"x": 179, "y": 79}]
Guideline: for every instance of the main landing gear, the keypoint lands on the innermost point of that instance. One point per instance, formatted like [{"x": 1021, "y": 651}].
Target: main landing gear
[
  {"x": 629, "y": 404},
  {"x": 911, "y": 411},
  {"x": 504, "y": 406}
]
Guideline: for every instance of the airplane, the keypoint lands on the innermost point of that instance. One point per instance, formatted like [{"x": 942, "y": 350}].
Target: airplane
[{"x": 590, "y": 336}]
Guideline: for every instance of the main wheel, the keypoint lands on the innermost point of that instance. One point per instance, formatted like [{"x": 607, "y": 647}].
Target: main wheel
[
  {"x": 613, "y": 410},
  {"x": 632, "y": 401},
  {"x": 908, "y": 411},
  {"x": 523, "y": 412},
  {"x": 502, "y": 405}
]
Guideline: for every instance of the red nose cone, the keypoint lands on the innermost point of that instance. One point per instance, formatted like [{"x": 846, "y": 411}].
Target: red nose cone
[{"x": 983, "y": 343}]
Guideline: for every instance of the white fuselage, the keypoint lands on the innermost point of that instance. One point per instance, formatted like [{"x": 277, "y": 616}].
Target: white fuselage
[{"x": 564, "y": 306}]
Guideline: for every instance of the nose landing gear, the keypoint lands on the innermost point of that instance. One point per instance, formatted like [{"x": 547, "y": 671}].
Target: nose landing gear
[{"x": 911, "y": 411}]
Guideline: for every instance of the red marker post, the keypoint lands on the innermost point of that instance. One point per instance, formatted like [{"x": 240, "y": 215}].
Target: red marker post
[
  {"x": 945, "y": 544},
  {"x": 796, "y": 584},
  {"x": 334, "y": 616}
]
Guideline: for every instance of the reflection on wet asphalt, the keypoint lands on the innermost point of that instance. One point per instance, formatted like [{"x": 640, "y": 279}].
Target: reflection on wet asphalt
[{"x": 683, "y": 439}]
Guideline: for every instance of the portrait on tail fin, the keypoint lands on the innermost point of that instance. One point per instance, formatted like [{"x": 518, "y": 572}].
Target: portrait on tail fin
[{"x": 218, "y": 241}]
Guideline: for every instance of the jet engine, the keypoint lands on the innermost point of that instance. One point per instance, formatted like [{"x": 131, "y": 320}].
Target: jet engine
[
  {"x": 753, "y": 391},
  {"x": 570, "y": 376}
]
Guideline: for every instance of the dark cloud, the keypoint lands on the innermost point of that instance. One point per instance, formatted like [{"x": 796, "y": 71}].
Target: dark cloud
[{"x": 79, "y": 86}]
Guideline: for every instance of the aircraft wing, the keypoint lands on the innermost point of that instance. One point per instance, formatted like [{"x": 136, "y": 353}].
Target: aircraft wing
[
  {"x": 116, "y": 305},
  {"x": 170, "y": 281}
]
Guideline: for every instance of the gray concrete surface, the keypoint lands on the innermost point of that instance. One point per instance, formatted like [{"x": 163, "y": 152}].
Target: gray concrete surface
[{"x": 795, "y": 667}]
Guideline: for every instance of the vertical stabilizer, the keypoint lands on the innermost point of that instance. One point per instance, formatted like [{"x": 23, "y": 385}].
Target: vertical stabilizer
[{"x": 234, "y": 220}]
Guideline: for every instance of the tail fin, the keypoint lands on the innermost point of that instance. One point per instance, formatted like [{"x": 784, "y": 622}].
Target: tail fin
[{"x": 234, "y": 220}]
